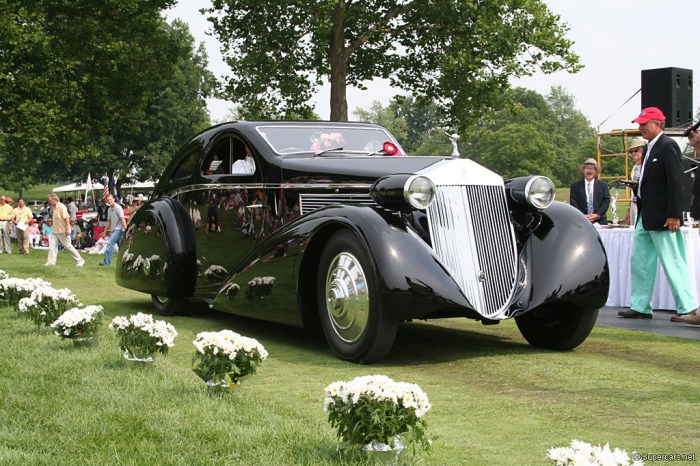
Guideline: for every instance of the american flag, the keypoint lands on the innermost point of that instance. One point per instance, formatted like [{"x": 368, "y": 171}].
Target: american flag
[{"x": 105, "y": 191}]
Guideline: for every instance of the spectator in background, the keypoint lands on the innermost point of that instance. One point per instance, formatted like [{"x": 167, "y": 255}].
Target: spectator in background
[
  {"x": 693, "y": 136},
  {"x": 34, "y": 233},
  {"x": 21, "y": 217},
  {"x": 116, "y": 226},
  {"x": 46, "y": 232},
  {"x": 46, "y": 213},
  {"x": 6, "y": 213},
  {"x": 75, "y": 233},
  {"x": 590, "y": 195},
  {"x": 61, "y": 232},
  {"x": 72, "y": 209},
  {"x": 102, "y": 211},
  {"x": 636, "y": 150},
  {"x": 657, "y": 234}
]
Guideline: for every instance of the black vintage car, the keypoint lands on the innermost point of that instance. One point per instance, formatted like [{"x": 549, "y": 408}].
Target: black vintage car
[{"x": 309, "y": 223}]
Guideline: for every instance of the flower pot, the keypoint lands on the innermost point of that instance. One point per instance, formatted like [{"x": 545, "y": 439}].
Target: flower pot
[
  {"x": 223, "y": 387},
  {"x": 138, "y": 355},
  {"x": 85, "y": 341},
  {"x": 219, "y": 388},
  {"x": 383, "y": 454}
]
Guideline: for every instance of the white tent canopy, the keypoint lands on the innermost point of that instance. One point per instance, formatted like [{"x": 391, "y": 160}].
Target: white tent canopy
[
  {"x": 139, "y": 185},
  {"x": 77, "y": 187}
]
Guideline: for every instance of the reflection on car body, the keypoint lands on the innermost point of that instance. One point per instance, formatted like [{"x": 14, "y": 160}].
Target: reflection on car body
[{"x": 331, "y": 223}]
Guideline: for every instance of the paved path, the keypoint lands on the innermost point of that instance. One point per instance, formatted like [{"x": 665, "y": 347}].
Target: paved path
[{"x": 660, "y": 323}]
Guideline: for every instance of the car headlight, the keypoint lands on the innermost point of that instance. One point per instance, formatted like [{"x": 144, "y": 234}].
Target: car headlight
[
  {"x": 419, "y": 191},
  {"x": 538, "y": 191},
  {"x": 403, "y": 192}
]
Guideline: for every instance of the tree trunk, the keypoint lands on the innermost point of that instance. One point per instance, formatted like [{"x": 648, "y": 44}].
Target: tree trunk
[{"x": 338, "y": 63}]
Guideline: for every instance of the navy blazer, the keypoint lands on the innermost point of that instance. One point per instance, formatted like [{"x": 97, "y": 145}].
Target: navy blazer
[
  {"x": 661, "y": 186},
  {"x": 601, "y": 198},
  {"x": 695, "y": 208}
]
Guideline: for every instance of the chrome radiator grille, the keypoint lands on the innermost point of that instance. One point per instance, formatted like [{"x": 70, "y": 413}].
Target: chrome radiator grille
[
  {"x": 471, "y": 234},
  {"x": 309, "y": 202}
]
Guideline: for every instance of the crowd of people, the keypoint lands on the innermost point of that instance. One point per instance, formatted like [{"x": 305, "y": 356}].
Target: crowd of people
[{"x": 57, "y": 226}]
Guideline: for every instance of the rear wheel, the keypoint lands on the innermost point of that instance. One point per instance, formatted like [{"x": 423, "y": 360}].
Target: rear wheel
[
  {"x": 168, "y": 306},
  {"x": 557, "y": 327},
  {"x": 353, "y": 322}
]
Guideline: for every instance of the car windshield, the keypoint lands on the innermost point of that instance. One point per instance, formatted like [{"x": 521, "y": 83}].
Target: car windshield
[{"x": 328, "y": 140}]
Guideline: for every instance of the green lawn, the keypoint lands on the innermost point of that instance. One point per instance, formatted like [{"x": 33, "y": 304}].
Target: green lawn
[{"x": 496, "y": 400}]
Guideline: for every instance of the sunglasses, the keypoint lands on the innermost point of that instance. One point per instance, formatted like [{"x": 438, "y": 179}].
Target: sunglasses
[{"x": 632, "y": 151}]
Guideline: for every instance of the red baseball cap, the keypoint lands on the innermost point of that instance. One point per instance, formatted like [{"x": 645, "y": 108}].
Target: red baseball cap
[{"x": 649, "y": 113}]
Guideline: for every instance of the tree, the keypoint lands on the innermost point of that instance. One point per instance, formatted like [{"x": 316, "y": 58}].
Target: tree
[
  {"x": 96, "y": 85},
  {"x": 383, "y": 116},
  {"x": 459, "y": 54},
  {"x": 421, "y": 118}
]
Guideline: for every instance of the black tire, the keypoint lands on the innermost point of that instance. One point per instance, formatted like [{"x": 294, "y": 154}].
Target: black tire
[
  {"x": 168, "y": 306},
  {"x": 353, "y": 321},
  {"x": 558, "y": 327}
]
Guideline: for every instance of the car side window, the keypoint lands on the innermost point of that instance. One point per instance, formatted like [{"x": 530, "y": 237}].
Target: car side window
[
  {"x": 187, "y": 167},
  {"x": 218, "y": 160}
]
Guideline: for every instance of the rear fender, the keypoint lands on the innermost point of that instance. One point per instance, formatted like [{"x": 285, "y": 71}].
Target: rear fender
[{"x": 158, "y": 252}]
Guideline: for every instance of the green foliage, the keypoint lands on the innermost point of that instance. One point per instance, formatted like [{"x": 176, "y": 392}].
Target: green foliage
[
  {"x": 386, "y": 117},
  {"x": 94, "y": 85},
  {"x": 421, "y": 118},
  {"x": 460, "y": 55},
  {"x": 516, "y": 150}
]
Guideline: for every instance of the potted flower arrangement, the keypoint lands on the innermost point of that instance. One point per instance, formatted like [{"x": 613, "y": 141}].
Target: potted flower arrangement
[
  {"x": 141, "y": 337},
  {"x": 46, "y": 304},
  {"x": 582, "y": 453},
  {"x": 79, "y": 324},
  {"x": 378, "y": 416},
  {"x": 13, "y": 290},
  {"x": 223, "y": 358}
]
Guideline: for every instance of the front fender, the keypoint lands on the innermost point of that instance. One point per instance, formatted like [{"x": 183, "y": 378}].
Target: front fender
[
  {"x": 412, "y": 282},
  {"x": 565, "y": 261}
]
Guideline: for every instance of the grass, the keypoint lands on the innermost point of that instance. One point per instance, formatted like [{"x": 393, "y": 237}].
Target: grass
[{"x": 495, "y": 399}]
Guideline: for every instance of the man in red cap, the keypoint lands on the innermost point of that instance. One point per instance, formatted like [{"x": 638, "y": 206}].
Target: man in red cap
[{"x": 657, "y": 234}]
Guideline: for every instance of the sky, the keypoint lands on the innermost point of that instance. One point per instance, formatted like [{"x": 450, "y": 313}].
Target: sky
[{"x": 616, "y": 40}]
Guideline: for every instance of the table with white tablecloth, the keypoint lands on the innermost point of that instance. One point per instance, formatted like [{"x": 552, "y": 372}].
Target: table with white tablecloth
[{"x": 618, "y": 245}]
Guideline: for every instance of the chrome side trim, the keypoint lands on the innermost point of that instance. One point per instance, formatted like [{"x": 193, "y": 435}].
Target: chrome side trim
[{"x": 311, "y": 202}]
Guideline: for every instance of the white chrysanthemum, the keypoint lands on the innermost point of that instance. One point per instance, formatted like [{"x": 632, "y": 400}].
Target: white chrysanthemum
[
  {"x": 229, "y": 343},
  {"x": 382, "y": 388},
  {"x": 76, "y": 316},
  {"x": 26, "y": 304}
]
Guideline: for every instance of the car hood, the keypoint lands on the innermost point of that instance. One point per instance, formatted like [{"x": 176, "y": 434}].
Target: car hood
[{"x": 369, "y": 168}]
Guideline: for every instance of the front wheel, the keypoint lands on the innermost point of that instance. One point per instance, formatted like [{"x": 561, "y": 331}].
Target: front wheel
[
  {"x": 558, "y": 327},
  {"x": 168, "y": 306},
  {"x": 353, "y": 321}
]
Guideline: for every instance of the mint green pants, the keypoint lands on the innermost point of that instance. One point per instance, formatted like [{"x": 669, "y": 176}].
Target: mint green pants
[{"x": 648, "y": 248}]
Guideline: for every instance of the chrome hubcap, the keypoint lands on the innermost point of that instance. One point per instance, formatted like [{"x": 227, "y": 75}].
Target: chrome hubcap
[{"x": 347, "y": 297}]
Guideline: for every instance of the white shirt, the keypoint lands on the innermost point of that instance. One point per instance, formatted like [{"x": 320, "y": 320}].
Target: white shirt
[
  {"x": 589, "y": 185},
  {"x": 644, "y": 163}
]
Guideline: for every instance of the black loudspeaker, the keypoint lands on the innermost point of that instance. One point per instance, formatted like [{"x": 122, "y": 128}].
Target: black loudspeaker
[{"x": 671, "y": 90}]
